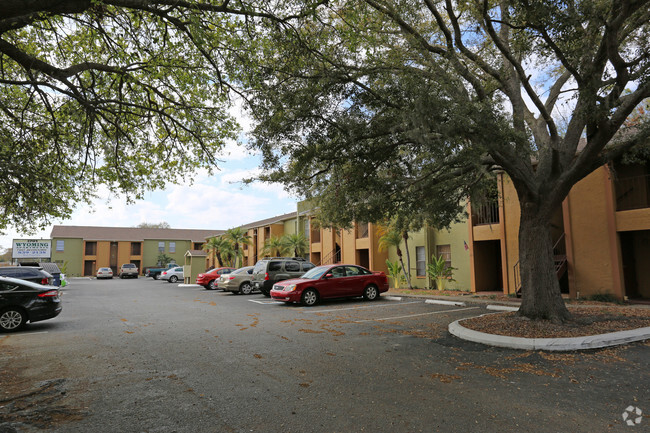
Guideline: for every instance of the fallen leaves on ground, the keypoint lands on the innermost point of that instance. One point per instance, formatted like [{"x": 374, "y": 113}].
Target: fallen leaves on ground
[{"x": 586, "y": 320}]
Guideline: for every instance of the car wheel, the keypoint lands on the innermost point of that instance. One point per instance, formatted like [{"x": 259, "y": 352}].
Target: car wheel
[
  {"x": 12, "y": 319},
  {"x": 246, "y": 288},
  {"x": 370, "y": 293},
  {"x": 265, "y": 293},
  {"x": 309, "y": 298},
  {"x": 121, "y": 277},
  {"x": 155, "y": 277},
  {"x": 173, "y": 279},
  {"x": 212, "y": 285}
]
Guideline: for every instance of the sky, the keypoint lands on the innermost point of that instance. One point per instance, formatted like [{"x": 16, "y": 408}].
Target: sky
[{"x": 218, "y": 202}]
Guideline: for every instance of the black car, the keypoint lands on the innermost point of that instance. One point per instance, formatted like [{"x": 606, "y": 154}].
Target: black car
[
  {"x": 35, "y": 274},
  {"x": 22, "y": 301},
  {"x": 271, "y": 270}
]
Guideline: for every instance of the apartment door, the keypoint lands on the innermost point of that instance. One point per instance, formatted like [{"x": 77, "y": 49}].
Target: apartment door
[{"x": 113, "y": 260}]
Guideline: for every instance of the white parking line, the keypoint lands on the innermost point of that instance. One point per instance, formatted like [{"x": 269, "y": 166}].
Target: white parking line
[
  {"x": 265, "y": 302},
  {"x": 310, "y": 310},
  {"x": 415, "y": 315}
]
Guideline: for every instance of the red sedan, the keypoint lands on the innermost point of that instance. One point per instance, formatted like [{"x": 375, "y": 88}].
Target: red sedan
[
  {"x": 331, "y": 281},
  {"x": 209, "y": 279}
]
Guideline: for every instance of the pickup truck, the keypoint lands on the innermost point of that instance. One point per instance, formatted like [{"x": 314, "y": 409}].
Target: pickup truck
[{"x": 155, "y": 272}]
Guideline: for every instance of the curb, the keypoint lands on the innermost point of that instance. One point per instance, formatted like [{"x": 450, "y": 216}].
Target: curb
[
  {"x": 441, "y": 302},
  {"x": 392, "y": 298},
  {"x": 551, "y": 344},
  {"x": 502, "y": 308}
]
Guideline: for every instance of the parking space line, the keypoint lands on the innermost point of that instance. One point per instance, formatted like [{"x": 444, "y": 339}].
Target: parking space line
[
  {"x": 415, "y": 315},
  {"x": 265, "y": 302},
  {"x": 310, "y": 310}
]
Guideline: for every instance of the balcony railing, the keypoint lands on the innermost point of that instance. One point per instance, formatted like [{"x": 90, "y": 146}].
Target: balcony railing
[
  {"x": 633, "y": 193},
  {"x": 486, "y": 213}
]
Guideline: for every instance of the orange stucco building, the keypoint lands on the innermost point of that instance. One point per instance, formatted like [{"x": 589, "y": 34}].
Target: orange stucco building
[{"x": 601, "y": 235}]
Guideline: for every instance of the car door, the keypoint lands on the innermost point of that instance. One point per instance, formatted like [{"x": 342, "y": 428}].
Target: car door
[
  {"x": 16, "y": 295},
  {"x": 355, "y": 280},
  {"x": 333, "y": 283}
]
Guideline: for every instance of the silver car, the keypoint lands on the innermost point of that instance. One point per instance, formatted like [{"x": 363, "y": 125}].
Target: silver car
[
  {"x": 172, "y": 275},
  {"x": 238, "y": 281}
]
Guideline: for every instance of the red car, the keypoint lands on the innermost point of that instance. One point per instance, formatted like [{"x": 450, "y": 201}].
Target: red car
[
  {"x": 331, "y": 281},
  {"x": 208, "y": 279}
]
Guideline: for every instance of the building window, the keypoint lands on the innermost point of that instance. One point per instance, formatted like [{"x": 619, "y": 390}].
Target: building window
[
  {"x": 172, "y": 247},
  {"x": 362, "y": 230},
  {"x": 420, "y": 262},
  {"x": 445, "y": 252},
  {"x": 59, "y": 246},
  {"x": 161, "y": 247},
  {"x": 198, "y": 245},
  {"x": 91, "y": 248},
  {"x": 136, "y": 248}
]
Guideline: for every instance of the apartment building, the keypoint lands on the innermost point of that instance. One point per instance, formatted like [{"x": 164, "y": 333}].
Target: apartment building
[
  {"x": 84, "y": 249},
  {"x": 601, "y": 236}
]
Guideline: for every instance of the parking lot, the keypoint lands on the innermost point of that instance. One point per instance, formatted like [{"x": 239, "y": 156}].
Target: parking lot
[{"x": 145, "y": 355}]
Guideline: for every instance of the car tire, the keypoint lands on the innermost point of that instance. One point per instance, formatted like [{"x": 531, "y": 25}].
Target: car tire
[
  {"x": 12, "y": 319},
  {"x": 370, "y": 293},
  {"x": 245, "y": 288},
  {"x": 265, "y": 293},
  {"x": 211, "y": 285},
  {"x": 309, "y": 297},
  {"x": 121, "y": 277},
  {"x": 155, "y": 277},
  {"x": 173, "y": 279}
]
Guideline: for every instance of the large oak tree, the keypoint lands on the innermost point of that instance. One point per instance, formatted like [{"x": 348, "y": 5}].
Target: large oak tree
[{"x": 379, "y": 108}]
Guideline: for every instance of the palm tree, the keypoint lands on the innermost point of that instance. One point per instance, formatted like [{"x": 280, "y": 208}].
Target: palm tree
[
  {"x": 273, "y": 246},
  {"x": 392, "y": 238},
  {"x": 218, "y": 245},
  {"x": 237, "y": 237},
  {"x": 296, "y": 243}
]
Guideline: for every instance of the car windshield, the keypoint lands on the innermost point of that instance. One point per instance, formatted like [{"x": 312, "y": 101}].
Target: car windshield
[{"x": 315, "y": 273}]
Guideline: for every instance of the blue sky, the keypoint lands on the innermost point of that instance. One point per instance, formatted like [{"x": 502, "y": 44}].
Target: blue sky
[{"x": 218, "y": 202}]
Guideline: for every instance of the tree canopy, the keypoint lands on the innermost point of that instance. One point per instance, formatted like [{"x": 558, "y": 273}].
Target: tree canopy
[
  {"x": 122, "y": 93},
  {"x": 381, "y": 108}
]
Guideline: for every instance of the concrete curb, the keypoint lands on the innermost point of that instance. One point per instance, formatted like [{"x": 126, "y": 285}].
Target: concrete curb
[
  {"x": 441, "y": 302},
  {"x": 551, "y": 344},
  {"x": 392, "y": 298},
  {"x": 502, "y": 308}
]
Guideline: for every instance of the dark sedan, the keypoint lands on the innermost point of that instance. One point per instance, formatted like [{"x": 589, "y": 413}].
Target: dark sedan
[
  {"x": 333, "y": 281},
  {"x": 23, "y": 301}
]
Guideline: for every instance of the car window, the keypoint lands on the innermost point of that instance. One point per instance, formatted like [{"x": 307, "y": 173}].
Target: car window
[
  {"x": 292, "y": 266},
  {"x": 260, "y": 266},
  {"x": 275, "y": 266},
  {"x": 352, "y": 271},
  {"x": 178, "y": 269},
  {"x": 8, "y": 287},
  {"x": 8, "y": 272},
  {"x": 227, "y": 271},
  {"x": 307, "y": 266},
  {"x": 315, "y": 273},
  {"x": 338, "y": 272}
]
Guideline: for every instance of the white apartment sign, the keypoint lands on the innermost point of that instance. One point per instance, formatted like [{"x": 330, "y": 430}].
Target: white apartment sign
[{"x": 31, "y": 248}]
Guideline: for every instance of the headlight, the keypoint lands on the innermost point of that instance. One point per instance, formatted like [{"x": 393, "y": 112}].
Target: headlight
[{"x": 290, "y": 288}]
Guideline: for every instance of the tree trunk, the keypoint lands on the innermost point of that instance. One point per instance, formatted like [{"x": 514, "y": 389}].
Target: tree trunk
[
  {"x": 541, "y": 296},
  {"x": 401, "y": 261},
  {"x": 405, "y": 235},
  {"x": 218, "y": 255}
]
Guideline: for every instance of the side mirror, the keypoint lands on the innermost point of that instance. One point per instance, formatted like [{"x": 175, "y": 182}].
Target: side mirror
[{"x": 328, "y": 276}]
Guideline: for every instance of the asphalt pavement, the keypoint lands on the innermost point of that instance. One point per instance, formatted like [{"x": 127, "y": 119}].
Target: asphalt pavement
[{"x": 149, "y": 356}]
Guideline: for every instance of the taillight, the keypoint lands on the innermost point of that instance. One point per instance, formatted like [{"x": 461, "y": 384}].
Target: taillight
[
  {"x": 231, "y": 278},
  {"x": 45, "y": 281},
  {"x": 49, "y": 294},
  {"x": 266, "y": 276}
]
